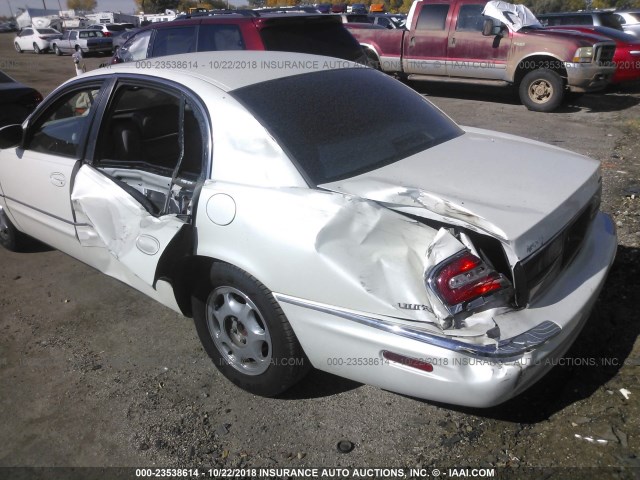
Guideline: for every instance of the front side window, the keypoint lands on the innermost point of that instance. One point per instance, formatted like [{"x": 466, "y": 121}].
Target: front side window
[
  {"x": 60, "y": 130},
  {"x": 136, "y": 47},
  {"x": 470, "y": 18},
  {"x": 433, "y": 17}
]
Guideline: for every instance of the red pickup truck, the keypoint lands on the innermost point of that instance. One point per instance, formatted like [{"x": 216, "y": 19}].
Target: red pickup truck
[{"x": 496, "y": 43}]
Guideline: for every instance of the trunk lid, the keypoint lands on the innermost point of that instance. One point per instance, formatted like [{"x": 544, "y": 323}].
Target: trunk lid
[{"x": 520, "y": 191}]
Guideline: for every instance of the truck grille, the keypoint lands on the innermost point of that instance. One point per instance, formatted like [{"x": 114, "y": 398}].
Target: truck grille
[
  {"x": 604, "y": 54},
  {"x": 534, "y": 274}
]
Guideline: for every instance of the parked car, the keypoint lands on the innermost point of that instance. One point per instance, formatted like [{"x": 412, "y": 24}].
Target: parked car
[
  {"x": 323, "y": 7},
  {"x": 388, "y": 20},
  {"x": 390, "y": 256},
  {"x": 306, "y": 33},
  {"x": 491, "y": 43},
  {"x": 120, "y": 40},
  {"x": 630, "y": 21},
  {"x": 627, "y": 56},
  {"x": 111, "y": 29},
  {"x": 599, "y": 18},
  {"x": 17, "y": 100},
  {"x": 85, "y": 41},
  {"x": 36, "y": 39}
]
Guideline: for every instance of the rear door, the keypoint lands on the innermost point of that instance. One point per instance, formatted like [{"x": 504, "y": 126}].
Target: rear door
[
  {"x": 134, "y": 200},
  {"x": 425, "y": 47}
]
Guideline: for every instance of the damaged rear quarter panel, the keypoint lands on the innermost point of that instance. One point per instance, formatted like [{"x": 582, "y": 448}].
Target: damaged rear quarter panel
[{"x": 325, "y": 247}]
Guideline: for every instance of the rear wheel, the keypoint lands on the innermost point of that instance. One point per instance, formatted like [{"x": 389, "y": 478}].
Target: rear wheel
[
  {"x": 57, "y": 50},
  {"x": 17, "y": 47},
  {"x": 541, "y": 90},
  {"x": 36, "y": 48},
  {"x": 246, "y": 334}
]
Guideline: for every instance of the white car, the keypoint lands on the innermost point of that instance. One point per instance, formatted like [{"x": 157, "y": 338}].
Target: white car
[
  {"x": 36, "y": 39},
  {"x": 378, "y": 241}
]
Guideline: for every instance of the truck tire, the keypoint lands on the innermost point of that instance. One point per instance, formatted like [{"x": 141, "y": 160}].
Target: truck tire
[
  {"x": 541, "y": 90},
  {"x": 57, "y": 50}
]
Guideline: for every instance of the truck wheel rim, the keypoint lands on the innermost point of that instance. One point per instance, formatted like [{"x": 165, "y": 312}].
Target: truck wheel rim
[
  {"x": 238, "y": 330},
  {"x": 540, "y": 91}
]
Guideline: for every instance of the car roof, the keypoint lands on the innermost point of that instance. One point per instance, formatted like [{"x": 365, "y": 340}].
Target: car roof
[{"x": 229, "y": 70}]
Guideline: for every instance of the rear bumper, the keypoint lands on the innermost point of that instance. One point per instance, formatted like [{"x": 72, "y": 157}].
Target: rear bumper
[
  {"x": 463, "y": 374},
  {"x": 583, "y": 77}
]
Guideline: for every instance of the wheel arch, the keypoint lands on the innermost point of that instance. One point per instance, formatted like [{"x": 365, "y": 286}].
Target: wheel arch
[{"x": 537, "y": 61}]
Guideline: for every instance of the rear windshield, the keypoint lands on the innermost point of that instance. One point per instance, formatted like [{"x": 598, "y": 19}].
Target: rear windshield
[
  {"x": 337, "y": 124},
  {"x": 315, "y": 37},
  {"x": 116, "y": 28}
]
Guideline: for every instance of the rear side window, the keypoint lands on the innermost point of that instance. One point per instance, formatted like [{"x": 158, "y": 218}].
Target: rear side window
[
  {"x": 317, "y": 38},
  {"x": 610, "y": 20},
  {"x": 171, "y": 41},
  {"x": 433, "y": 17},
  {"x": 346, "y": 133},
  {"x": 214, "y": 37}
]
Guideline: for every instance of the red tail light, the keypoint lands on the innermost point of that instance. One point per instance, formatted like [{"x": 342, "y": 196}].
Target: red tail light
[{"x": 465, "y": 282}]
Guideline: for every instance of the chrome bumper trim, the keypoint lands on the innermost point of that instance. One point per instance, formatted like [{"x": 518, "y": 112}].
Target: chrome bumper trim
[{"x": 507, "y": 348}]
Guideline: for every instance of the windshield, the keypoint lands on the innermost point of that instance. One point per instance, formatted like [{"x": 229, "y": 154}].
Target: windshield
[
  {"x": 47, "y": 30},
  {"x": 336, "y": 124}
]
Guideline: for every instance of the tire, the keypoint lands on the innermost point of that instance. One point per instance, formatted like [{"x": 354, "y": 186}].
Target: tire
[
  {"x": 10, "y": 237},
  {"x": 246, "y": 334},
  {"x": 541, "y": 90},
  {"x": 372, "y": 60},
  {"x": 36, "y": 49},
  {"x": 57, "y": 50},
  {"x": 17, "y": 47}
]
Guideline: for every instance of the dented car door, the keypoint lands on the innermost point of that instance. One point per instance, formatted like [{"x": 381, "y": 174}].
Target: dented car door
[{"x": 135, "y": 195}]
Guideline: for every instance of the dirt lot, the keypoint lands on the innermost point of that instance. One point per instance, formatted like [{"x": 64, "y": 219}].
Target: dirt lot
[{"x": 93, "y": 373}]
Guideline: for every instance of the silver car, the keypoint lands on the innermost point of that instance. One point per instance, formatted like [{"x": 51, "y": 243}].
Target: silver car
[{"x": 378, "y": 241}]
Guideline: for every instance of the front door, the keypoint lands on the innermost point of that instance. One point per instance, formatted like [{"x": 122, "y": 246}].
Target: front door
[
  {"x": 425, "y": 47},
  {"x": 38, "y": 175},
  {"x": 471, "y": 54}
]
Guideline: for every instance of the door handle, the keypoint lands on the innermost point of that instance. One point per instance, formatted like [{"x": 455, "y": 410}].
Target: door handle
[
  {"x": 58, "y": 179},
  {"x": 452, "y": 41},
  {"x": 412, "y": 42}
]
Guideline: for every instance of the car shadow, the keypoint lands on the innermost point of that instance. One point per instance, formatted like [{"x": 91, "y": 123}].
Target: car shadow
[
  {"x": 594, "y": 359},
  {"x": 611, "y": 100},
  {"x": 608, "y": 101},
  {"x": 318, "y": 384},
  {"x": 31, "y": 245},
  {"x": 483, "y": 93}
]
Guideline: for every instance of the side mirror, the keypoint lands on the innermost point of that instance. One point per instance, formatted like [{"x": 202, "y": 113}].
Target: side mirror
[
  {"x": 489, "y": 29},
  {"x": 10, "y": 136}
]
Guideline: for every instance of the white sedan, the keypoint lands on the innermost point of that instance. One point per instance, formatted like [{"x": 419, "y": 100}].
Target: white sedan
[
  {"x": 36, "y": 39},
  {"x": 376, "y": 240}
]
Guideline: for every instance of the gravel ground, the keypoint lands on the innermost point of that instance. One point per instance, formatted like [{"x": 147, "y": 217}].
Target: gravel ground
[{"x": 93, "y": 373}]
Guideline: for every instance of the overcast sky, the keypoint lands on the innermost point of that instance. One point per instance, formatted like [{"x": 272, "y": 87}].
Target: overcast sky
[{"x": 124, "y": 6}]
